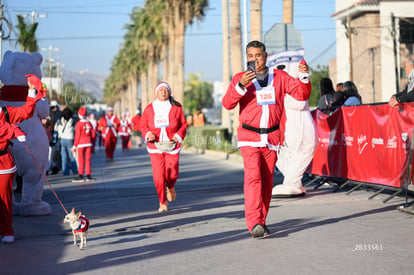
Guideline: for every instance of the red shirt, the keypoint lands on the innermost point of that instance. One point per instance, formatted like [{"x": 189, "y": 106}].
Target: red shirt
[{"x": 136, "y": 123}]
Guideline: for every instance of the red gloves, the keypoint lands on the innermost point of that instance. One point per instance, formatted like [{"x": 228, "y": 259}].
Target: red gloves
[{"x": 33, "y": 80}]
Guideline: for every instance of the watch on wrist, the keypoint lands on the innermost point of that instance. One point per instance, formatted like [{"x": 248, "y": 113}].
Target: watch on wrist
[{"x": 241, "y": 85}]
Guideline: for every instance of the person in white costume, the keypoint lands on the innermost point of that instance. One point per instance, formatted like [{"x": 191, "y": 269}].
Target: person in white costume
[{"x": 300, "y": 135}]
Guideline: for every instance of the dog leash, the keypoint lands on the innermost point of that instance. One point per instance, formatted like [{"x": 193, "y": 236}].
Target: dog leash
[{"x": 44, "y": 176}]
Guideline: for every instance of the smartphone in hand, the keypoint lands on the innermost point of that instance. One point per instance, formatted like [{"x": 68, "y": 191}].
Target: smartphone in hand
[{"x": 251, "y": 66}]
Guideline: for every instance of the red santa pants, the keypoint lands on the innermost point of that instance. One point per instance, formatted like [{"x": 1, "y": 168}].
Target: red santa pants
[
  {"x": 125, "y": 140},
  {"x": 6, "y": 211},
  {"x": 110, "y": 145},
  {"x": 164, "y": 172},
  {"x": 84, "y": 160},
  {"x": 259, "y": 165}
]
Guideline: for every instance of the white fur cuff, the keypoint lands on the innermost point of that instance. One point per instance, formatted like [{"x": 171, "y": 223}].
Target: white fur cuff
[
  {"x": 32, "y": 93},
  {"x": 180, "y": 140}
]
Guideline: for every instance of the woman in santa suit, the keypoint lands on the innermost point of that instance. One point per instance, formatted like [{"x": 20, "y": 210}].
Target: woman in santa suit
[{"x": 163, "y": 123}]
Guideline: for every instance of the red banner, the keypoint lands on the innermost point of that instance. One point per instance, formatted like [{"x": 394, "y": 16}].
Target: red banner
[{"x": 366, "y": 143}]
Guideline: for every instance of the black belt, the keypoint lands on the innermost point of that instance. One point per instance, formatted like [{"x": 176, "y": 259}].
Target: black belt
[
  {"x": 4, "y": 152},
  {"x": 260, "y": 130}
]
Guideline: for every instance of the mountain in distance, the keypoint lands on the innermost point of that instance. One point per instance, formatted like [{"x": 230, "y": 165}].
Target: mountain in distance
[{"x": 86, "y": 81}]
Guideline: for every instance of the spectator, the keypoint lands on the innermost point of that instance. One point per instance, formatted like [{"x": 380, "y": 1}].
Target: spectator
[
  {"x": 163, "y": 123},
  {"x": 260, "y": 95},
  {"x": 56, "y": 160},
  {"x": 47, "y": 124},
  {"x": 339, "y": 87},
  {"x": 351, "y": 93},
  {"x": 198, "y": 118},
  {"x": 66, "y": 132},
  {"x": 136, "y": 128},
  {"x": 407, "y": 95},
  {"x": 329, "y": 100}
]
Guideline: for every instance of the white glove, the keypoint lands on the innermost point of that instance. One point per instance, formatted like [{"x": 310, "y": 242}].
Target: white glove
[
  {"x": 21, "y": 138},
  {"x": 32, "y": 93}
]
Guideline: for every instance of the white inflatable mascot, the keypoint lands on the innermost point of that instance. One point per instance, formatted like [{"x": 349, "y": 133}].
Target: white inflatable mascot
[
  {"x": 14, "y": 67},
  {"x": 300, "y": 135}
]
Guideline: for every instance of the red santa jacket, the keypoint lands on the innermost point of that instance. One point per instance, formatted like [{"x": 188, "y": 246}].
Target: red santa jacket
[
  {"x": 177, "y": 127},
  {"x": 84, "y": 134},
  {"x": 108, "y": 126},
  {"x": 124, "y": 128},
  {"x": 259, "y": 124},
  {"x": 8, "y": 132}
]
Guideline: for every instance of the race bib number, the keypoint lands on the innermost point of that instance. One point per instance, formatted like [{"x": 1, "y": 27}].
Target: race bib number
[
  {"x": 266, "y": 96},
  {"x": 161, "y": 121}
]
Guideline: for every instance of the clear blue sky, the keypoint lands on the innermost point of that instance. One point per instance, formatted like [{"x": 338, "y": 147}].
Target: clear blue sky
[{"x": 89, "y": 33}]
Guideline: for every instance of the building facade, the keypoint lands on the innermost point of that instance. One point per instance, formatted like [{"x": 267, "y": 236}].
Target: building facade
[{"x": 374, "y": 37}]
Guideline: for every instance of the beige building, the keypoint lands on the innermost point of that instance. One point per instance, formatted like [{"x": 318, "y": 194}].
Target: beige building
[{"x": 373, "y": 39}]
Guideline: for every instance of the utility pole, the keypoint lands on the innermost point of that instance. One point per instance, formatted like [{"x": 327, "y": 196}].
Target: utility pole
[
  {"x": 372, "y": 51},
  {"x": 394, "y": 39},
  {"x": 349, "y": 32},
  {"x": 50, "y": 60}
]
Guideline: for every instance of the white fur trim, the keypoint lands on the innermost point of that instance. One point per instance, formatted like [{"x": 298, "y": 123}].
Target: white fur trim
[
  {"x": 163, "y": 84},
  {"x": 179, "y": 139},
  {"x": 32, "y": 93},
  {"x": 8, "y": 171}
]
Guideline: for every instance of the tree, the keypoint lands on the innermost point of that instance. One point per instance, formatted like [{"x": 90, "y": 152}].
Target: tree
[
  {"x": 236, "y": 54},
  {"x": 197, "y": 94},
  {"x": 226, "y": 76},
  {"x": 256, "y": 20},
  {"x": 315, "y": 77},
  {"x": 27, "y": 35}
]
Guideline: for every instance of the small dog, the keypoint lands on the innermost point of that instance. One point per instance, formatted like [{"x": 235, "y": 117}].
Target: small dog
[{"x": 79, "y": 224}]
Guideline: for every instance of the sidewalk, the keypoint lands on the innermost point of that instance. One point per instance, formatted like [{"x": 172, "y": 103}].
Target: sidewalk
[{"x": 205, "y": 232}]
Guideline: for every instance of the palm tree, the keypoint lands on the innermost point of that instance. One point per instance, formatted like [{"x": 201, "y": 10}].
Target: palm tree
[
  {"x": 27, "y": 35},
  {"x": 256, "y": 20},
  {"x": 183, "y": 14},
  {"x": 236, "y": 52},
  {"x": 225, "y": 114}
]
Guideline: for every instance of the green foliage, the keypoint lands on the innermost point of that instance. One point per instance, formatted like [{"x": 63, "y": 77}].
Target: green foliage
[
  {"x": 197, "y": 94},
  {"x": 27, "y": 35},
  {"x": 315, "y": 77}
]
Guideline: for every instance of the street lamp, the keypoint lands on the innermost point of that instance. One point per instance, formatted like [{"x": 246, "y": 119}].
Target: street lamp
[{"x": 50, "y": 60}]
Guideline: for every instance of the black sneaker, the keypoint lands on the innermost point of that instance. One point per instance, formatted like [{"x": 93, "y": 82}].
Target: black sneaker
[
  {"x": 89, "y": 178},
  {"x": 78, "y": 179},
  {"x": 258, "y": 231}
]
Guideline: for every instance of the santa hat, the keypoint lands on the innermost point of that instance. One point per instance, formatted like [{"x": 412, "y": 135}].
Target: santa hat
[
  {"x": 109, "y": 109},
  {"x": 163, "y": 84},
  {"x": 35, "y": 81},
  {"x": 82, "y": 112}
]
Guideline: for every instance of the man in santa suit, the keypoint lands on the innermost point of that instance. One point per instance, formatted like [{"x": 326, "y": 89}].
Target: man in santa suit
[
  {"x": 260, "y": 93},
  {"x": 108, "y": 125}
]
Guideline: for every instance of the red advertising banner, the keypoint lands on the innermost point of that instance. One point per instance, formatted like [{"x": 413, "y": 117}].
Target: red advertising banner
[{"x": 366, "y": 143}]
